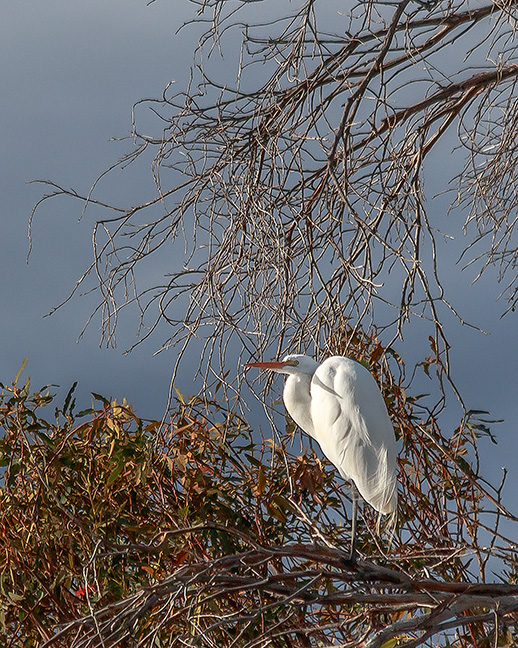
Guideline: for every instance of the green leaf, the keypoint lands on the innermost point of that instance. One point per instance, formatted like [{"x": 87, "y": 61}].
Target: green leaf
[
  {"x": 115, "y": 472},
  {"x": 103, "y": 400},
  {"x": 69, "y": 402},
  {"x": 85, "y": 412},
  {"x": 20, "y": 371},
  {"x": 46, "y": 440},
  {"x": 390, "y": 643}
]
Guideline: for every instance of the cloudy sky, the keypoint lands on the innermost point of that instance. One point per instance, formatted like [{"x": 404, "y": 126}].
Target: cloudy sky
[{"x": 70, "y": 74}]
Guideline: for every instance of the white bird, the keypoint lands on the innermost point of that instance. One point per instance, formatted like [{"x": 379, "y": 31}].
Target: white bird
[{"x": 340, "y": 405}]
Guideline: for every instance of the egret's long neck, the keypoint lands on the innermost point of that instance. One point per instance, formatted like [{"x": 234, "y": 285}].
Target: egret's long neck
[{"x": 297, "y": 399}]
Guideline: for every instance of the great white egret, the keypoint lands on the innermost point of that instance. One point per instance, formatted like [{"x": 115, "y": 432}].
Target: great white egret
[{"x": 339, "y": 404}]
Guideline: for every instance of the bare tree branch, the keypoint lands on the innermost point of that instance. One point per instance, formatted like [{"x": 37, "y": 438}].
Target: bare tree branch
[
  {"x": 293, "y": 199},
  {"x": 290, "y": 577}
]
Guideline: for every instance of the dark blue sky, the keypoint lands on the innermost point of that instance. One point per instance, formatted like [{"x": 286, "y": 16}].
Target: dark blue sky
[{"x": 70, "y": 74}]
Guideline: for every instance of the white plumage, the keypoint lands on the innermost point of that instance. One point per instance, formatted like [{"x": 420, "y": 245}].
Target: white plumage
[{"x": 339, "y": 404}]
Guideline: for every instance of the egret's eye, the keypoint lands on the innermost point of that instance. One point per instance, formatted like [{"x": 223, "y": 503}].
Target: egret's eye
[{"x": 294, "y": 363}]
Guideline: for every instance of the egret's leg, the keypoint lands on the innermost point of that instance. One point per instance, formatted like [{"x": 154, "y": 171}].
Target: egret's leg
[{"x": 354, "y": 495}]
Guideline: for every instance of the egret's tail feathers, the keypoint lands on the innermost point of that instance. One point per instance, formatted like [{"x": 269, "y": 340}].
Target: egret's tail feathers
[
  {"x": 382, "y": 484},
  {"x": 389, "y": 525}
]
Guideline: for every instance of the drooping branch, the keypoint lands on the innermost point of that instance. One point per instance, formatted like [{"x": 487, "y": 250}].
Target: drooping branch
[{"x": 294, "y": 200}]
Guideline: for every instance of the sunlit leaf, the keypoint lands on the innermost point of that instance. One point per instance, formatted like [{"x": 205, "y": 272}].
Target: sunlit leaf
[{"x": 115, "y": 473}]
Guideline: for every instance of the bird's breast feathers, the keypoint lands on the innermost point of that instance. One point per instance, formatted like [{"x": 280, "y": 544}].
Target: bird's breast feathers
[{"x": 353, "y": 428}]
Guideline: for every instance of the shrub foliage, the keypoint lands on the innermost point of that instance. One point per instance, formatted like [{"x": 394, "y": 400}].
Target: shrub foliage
[{"x": 196, "y": 531}]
